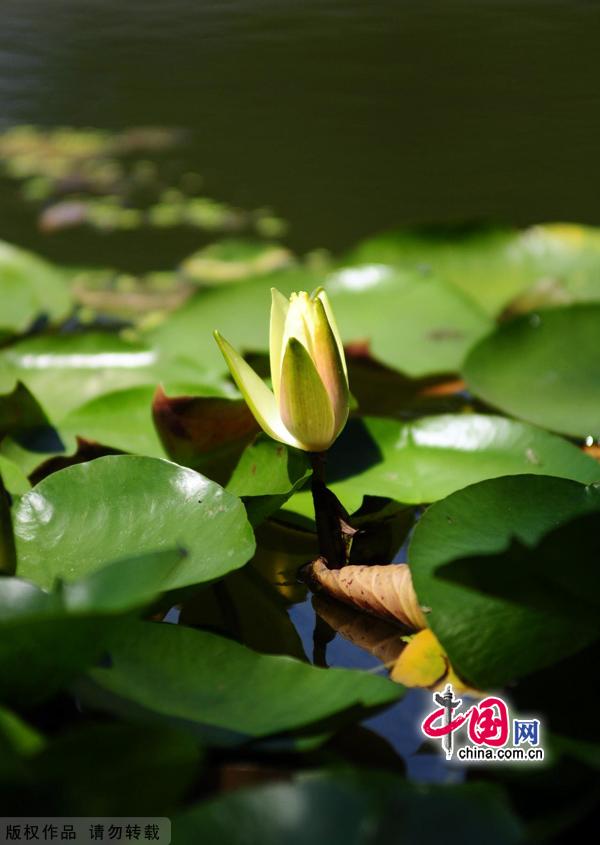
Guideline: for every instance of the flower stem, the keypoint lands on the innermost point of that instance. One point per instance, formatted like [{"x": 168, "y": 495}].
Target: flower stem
[{"x": 333, "y": 531}]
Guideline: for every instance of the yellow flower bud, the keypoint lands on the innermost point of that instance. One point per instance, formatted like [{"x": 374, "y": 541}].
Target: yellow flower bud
[{"x": 308, "y": 406}]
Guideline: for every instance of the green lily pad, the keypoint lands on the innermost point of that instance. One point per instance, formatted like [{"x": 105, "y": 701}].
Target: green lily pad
[
  {"x": 112, "y": 769},
  {"x": 17, "y": 737},
  {"x": 13, "y": 476},
  {"x": 124, "y": 585},
  {"x": 494, "y": 266},
  {"x": 29, "y": 617},
  {"x": 501, "y": 617},
  {"x": 205, "y": 680},
  {"x": 544, "y": 369},
  {"x": 267, "y": 475},
  {"x": 121, "y": 420},
  {"x": 29, "y": 288},
  {"x": 79, "y": 519},
  {"x": 480, "y": 263},
  {"x": 425, "y": 460},
  {"x": 71, "y": 622},
  {"x": 233, "y": 259},
  {"x": 347, "y": 808},
  {"x": 240, "y": 311},
  {"x": 411, "y": 321},
  {"x": 65, "y": 371},
  {"x": 429, "y": 326}
]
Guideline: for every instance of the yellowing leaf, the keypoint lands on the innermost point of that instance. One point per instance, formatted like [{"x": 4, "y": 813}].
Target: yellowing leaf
[
  {"x": 424, "y": 663},
  {"x": 385, "y": 591}
]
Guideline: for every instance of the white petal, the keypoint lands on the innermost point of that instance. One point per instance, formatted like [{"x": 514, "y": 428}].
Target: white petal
[
  {"x": 279, "y": 310},
  {"x": 259, "y": 398},
  {"x": 331, "y": 319}
]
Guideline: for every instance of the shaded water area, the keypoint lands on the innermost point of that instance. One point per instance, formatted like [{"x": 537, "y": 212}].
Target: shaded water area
[{"x": 345, "y": 117}]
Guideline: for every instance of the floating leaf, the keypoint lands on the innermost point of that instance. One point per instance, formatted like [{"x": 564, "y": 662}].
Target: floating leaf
[
  {"x": 125, "y": 584},
  {"x": 239, "y": 310},
  {"x": 29, "y": 288},
  {"x": 65, "y": 371},
  {"x": 424, "y": 663},
  {"x": 267, "y": 475},
  {"x": 495, "y": 266},
  {"x": 127, "y": 297},
  {"x": 428, "y": 326},
  {"x": 499, "y": 617},
  {"x": 232, "y": 259},
  {"x": 170, "y": 671},
  {"x": 15, "y": 480},
  {"x": 108, "y": 770},
  {"x": 350, "y": 808},
  {"x": 120, "y": 420},
  {"x": 385, "y": 591},
  {"x": 81, "y": 518},
  {"x": 483, "y": 264},
  {"x": 17, "y": 736},
  {"x": 30, "y": 672},
  {"x": 427, "y": 459},
  {"x": 544, "y": 369}
]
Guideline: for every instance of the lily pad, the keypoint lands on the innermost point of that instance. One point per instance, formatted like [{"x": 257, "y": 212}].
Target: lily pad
[
  {"x": 494, "y": 266},
  {"x": 500, "y": 618},
  {"x": 65, "y": 371},
  {"x": 267, "y": 475},
  {"x": 351, "y": 809},
  {"x": 112, "y": 769},
  {"x": 428, "y": 326},
  {"x": 121, "y": 420},
  {"x": 233, "y": 259},
  {"x": 170, "y": 671},
  {"x": 14, "y": 478},
  {"x": 29, "y": 288},
  {"x": 29, "y": 617},
  {"x": 543, "y": 368},
  {"x": 425, "y": 460},
  {"x": 240, "y": 311},
  {"x": 79, "y": 519}
]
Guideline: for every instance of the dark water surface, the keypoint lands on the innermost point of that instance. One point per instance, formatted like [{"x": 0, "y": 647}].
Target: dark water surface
[{"x": 347, "y": 117}]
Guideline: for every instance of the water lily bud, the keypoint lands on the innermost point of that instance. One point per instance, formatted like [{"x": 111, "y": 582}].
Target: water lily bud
[{"x": 308, "y": 406}]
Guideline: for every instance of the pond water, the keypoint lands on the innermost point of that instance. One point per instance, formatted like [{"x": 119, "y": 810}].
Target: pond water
[{"x": 346, "y": 117}]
